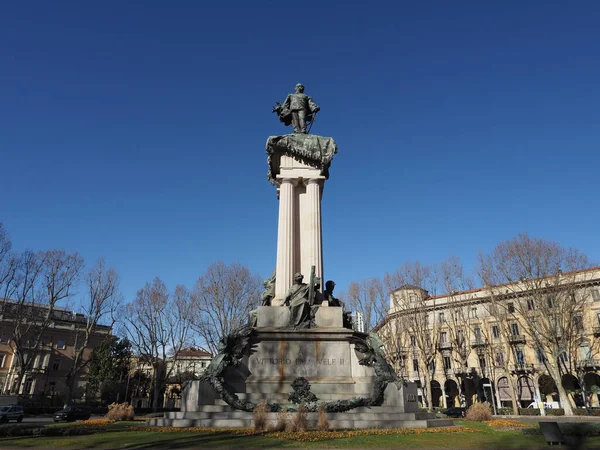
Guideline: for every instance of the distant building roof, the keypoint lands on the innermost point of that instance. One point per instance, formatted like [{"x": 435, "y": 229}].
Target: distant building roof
[{"x": 192, "y": 352}]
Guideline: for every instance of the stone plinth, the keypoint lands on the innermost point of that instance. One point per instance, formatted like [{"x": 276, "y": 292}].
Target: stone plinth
[
  {"x": 325, "y": 357},
  {"x": 279, "y": 317}
]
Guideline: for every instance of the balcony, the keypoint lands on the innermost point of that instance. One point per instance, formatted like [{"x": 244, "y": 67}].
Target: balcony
[
  {"x": 596, "y": 331},
  {"x": 593, "y": 364},
  {"x": 522, "y": 368},
  {"x": 516, "y": 339},
  {"x": 478, "y": 343},
  {"x": 445, "y": 345},
  {"x": 463, "y": 371}
]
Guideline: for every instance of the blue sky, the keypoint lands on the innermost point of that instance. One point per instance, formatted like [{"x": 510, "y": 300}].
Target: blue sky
[{"x": 136, "y": 130}]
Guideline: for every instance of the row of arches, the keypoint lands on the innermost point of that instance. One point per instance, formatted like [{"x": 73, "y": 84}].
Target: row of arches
[{"x": 468, "y": 391}]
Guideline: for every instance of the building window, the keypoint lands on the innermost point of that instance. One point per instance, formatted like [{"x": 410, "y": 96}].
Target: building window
[
  {"x": 540, "y": 356},
  {"x": 416, "y": 365},
  {"x": 60, "y": 344},
  {"x": 563, "y": 358},
  {"x": 477, "y": 332},
  {"x": 499, "y": 358},
  {"x": 413, "y": 341},
  {"x": 482, "y": 362},
  {"x": 460, "y": 338},
  {"x": 550, "y": 301},
  {"x": 520, "y": 357},
  {"x": 496, "y": 331},
  {"x": 55, "y": 365},
  {"x": 474, "y": 312},
  {"x": 447, "y": 362},
  {"x": 530, "y": 304},
  {"x": 596, "y": 295},
  {"x": 511, "y": 308},
  {"x": 578, "y": 323},
  {"x": 443, "y": 337},
  {"x": 442, "y": 318},
  {"x": 514, "y": 329},
  {"x": 52, "y": 386},
  {"x": 585, "y": 352},
  {"x": 28, "y": 386},
  {"x": 2, "y": 359}
]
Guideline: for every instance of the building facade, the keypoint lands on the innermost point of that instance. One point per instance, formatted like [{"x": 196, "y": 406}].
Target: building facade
[
  {"x": 491, "y": 343},
  {"x": 52, "y": 358}
]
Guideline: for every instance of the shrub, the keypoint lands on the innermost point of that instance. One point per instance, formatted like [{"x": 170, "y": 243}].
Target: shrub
[
  {"x": 555, "y": 412},
  {"x": 479, "y": 412},
  {"x": 281, "y": 422},
  {"x": 120, "y": 411},
  {"x": 299, "y": 420},
  {"x": 260, "y": 416},
  {"x": 529, "y": 411},
  {"x": 323, "y": 422}
]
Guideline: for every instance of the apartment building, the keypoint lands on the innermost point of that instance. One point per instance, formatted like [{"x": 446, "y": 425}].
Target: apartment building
[
  {"x": 483, "y": 344},
  {"x": 52, "y": 359}
]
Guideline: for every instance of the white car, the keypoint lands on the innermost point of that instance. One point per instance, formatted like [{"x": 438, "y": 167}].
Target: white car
[{"x": 547, "y": 405}]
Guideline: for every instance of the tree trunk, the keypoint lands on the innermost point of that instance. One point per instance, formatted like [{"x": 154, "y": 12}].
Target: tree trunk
[
  {"x": 428, "y": 391},
  {"x": 69, "y": 382},
  {"x": 156, "y": 395},
  {"x": 552, "y": 367},
  {"x": 14, "y": 389},
  {"x": 513, "y": 393}
]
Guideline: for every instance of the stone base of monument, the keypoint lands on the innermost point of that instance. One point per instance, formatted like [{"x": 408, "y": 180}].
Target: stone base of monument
[{"x": 325, "y": 356}]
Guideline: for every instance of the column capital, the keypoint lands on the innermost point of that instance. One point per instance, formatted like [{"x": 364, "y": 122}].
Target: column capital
[
  {"x": 315, "y": 180},
  {"x": 283, "y": 180}
]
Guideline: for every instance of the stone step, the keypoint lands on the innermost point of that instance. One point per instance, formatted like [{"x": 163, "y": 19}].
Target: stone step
[
  {"x": 337, "y": 424},
  {"x": 350, "y": 415}
]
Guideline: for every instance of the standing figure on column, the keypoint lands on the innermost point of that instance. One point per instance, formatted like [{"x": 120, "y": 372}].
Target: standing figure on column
[{"x": 297, "y": 109}]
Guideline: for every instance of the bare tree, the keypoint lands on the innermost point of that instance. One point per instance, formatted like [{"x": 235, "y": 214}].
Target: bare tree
[
  {"x": 41, "y": 281},
  {"x": 369, "y": 297},
  {"x": 502, "y": 349},
  {"x": 222, "y": 300},
  {"x": 8, "y": 267},
  {"x": 544, "y": 285},
  {"x": 411, "y": 285},
  {"x": 99, "y": 308},
  {"x": 159, "y": 326}
]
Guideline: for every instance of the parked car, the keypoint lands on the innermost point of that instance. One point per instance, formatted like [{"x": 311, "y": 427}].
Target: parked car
[
  {"x": 71, "y": 413},
  {"x": 455, "y": 412},
  {"x": 11, "y": 412}
]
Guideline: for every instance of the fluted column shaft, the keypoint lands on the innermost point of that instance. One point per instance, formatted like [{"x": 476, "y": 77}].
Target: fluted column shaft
[
  {"x": 285, "y": 241},
  {"x": 313, "y": 249}
]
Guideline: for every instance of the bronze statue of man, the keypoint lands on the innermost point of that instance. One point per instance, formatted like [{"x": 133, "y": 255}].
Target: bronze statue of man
[
  {"x": 299, "y": 303},
  {"x": 297, "y": 109},
  {"x": 328, "y": 295}
]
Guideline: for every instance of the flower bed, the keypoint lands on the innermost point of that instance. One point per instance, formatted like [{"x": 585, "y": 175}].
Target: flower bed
[
  {"x": 312, "y": 436},
  {"x": 506, "y": 423}
]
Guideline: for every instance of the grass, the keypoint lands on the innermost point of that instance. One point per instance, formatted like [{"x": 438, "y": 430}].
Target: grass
[{"x": 128, "y": 435}]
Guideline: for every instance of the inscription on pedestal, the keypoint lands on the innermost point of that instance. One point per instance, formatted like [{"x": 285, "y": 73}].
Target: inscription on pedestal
[
  {"x": 299, "y": 362},
  {"x": 301, "y": 359}
]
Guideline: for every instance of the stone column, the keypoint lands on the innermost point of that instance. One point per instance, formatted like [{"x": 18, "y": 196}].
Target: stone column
[
  {"x": 313, "y": 243},
  {"x": 285, "y": 241}
]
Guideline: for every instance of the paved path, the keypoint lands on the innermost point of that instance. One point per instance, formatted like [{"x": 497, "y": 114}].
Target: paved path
[{"x": 559, "y": 419}]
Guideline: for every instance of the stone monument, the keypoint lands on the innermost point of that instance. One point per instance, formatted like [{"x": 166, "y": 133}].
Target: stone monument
[{"x": 299, "y": 345}]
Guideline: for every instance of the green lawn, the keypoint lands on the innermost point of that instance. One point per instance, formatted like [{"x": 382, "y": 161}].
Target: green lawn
[{"x": 120, "y": 435}]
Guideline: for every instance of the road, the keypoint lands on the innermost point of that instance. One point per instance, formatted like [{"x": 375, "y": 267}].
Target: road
[{"x": 44, "y": 420}]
